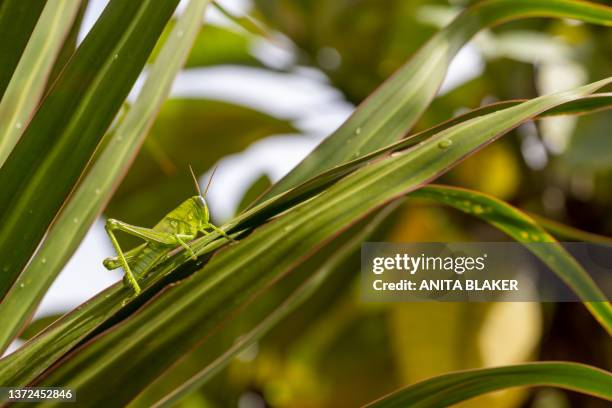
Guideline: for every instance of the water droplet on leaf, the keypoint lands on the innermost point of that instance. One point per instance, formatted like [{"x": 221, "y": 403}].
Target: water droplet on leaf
[{"x": 445, "y": 144}]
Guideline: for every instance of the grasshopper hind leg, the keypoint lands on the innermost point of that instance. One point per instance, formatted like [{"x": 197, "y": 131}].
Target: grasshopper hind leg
[
  {"x": 130, "y": 256},
  {"x": 129, "y": 276}
]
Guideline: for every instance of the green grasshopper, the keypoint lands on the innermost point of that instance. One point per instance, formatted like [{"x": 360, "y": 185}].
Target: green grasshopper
[{"x": 178, "y": 227}]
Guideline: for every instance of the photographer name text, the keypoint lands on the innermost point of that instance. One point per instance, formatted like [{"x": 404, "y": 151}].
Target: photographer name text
[{"x": 457, "y": 265}]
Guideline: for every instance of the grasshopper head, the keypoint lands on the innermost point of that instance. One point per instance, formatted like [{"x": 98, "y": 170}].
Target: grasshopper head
[
  {"x": 200, "y": 203},
  {"x": 202, "y": 211}
]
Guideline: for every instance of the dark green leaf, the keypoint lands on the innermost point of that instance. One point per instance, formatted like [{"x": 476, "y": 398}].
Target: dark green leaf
[
  {"x": 70, "y": 44},
  {"x": 25, "y": 90},
  {"x": 92, "y": 193},
  {"x": 17, "y": 21},
  {"x": 37, "y": 326},
  {"x": 61, "y": 138}
]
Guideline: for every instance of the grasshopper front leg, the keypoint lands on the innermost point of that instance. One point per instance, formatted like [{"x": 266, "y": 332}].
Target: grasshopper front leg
[{"x": 220, "y": 231}]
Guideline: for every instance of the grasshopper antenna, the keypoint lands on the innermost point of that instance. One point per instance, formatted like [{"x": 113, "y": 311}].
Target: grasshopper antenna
[
  {"x": 195, "y": 181},
  {"x": 209, "y": 181}
]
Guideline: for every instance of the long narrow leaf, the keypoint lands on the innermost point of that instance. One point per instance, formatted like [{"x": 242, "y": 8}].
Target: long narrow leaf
[
  {"x": 17, "y": 21},
  {"x": 276, "y": 204},
  {"x": 394, "y": 108},
  {"x": 523, "y": 228},
  {"x": 301, "y": 294},
  {"x": 41, "y": 351},
  {"x": 70, "y": 44},
  {"x": 449, "y": 389},
  {"x": 567, "y": 233},
  {"x": 185, "y": 313},
  {"x": 29, "y": 79},
  {"x": 98, "y": 185},
  {"x": 53, "y": 151}
]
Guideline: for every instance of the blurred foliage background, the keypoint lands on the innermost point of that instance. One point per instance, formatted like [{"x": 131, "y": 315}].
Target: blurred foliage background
[{"x": 336, "y": 351}]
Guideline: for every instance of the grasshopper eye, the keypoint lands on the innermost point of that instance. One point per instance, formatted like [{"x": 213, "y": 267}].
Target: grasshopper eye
[{"x": 201, "y": 201}]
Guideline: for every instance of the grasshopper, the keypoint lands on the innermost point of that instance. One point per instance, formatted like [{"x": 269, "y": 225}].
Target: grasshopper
[{"x": 176, "y": 229}]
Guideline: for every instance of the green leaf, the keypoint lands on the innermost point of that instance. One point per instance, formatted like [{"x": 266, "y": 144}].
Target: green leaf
[
  {"x": 17, "y": 21},
  {"x": 38, "y": 354},
  {"x": 186, "y": 312},
  {"x": 524, "y": 229},
  {"x": 61, "y": 138},
  {"x": 37, "y": 326},
  {"x": 30, "y": 77},
  {"x": 276, "y": 204},
  {"x": 567, "y": 233},
  {"x": 391, "y": 111},
  {"x": 70, "y": 44},
  {"x": 449, "y": 389},
  {"x": 91, "y": 195},
  {"x": 594, "y": 103},
  {"x": 317, "y": 275},
  {"x": 256, "y": 189}
]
